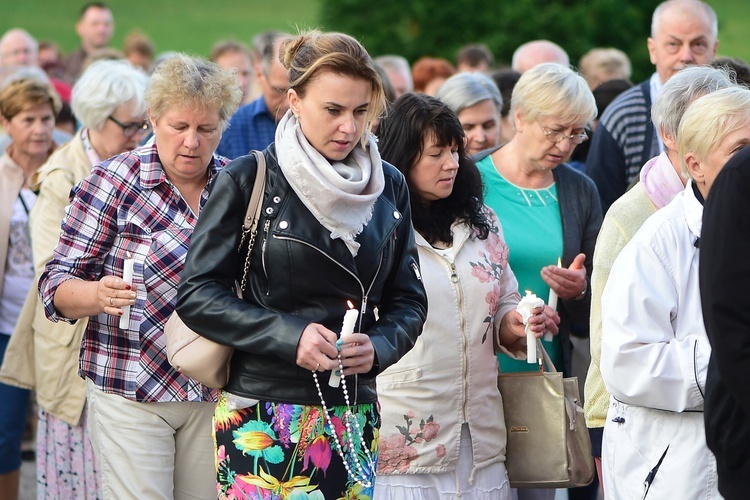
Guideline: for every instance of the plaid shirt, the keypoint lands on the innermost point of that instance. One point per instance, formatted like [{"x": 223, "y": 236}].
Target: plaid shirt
[{"x": 128, "y": 205}]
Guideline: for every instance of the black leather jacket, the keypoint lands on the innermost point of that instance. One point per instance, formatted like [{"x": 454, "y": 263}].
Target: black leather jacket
[{"x": 299, "y": 275}]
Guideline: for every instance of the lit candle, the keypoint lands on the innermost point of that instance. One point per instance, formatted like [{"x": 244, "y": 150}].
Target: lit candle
[
  {"x": 524, "y": 307},
  {"x": 127, "y": 277},
  {"x": 350, "y": 319},
  {"x": 552, "y": 302}
]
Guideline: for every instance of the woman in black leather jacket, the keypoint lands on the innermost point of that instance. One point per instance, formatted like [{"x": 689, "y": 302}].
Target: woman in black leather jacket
[{"x": 336, "y": 227}]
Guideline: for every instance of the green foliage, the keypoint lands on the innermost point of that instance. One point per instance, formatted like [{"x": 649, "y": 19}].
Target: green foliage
[{"x": 417, "y": 28}]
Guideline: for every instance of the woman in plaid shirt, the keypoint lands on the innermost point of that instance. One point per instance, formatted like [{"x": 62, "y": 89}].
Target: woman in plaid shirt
[{"x": 150, "y": 425}]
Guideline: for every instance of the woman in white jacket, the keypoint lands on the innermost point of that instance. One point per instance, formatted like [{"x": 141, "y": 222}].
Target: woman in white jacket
[
  {"x": 442, "y": 430},
  {"x": 654, "y": 346}
]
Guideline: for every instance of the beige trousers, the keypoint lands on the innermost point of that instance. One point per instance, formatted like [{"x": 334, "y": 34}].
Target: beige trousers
[{"x": 152, "y": 450}]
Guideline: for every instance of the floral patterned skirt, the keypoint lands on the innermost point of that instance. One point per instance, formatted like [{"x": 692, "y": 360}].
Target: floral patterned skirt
[
  {"x": 65, "y": 463},
  {"x": 275, "y": 451}
]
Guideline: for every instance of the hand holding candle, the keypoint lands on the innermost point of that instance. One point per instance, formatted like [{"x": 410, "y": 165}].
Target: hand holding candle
[
  {"x": 350, "y": 319},
  {"x": 524, "y": 307},
  {"x": 127, "y": 277},
  {"x": 552, "y": 302}
]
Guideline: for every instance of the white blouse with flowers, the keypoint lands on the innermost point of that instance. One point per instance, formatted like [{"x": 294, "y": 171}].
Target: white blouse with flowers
[{"x": 450, "y": 376}]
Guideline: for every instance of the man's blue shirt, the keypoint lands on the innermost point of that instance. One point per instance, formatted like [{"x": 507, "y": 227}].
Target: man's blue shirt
[{"x": 251, "y": 127}]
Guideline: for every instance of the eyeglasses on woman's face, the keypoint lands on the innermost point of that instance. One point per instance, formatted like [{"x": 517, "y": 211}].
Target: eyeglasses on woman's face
[
  {"x": 130, "y": 129},
  {"x": 556, "y": 136}
]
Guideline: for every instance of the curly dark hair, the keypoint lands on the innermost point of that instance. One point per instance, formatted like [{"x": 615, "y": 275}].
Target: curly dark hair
[{"x": 401, "y": 138}]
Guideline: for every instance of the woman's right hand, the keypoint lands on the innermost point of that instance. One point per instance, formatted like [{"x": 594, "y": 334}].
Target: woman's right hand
[
  {"x": 112, "y": 294},
  {"x": 317, "y": 350},
  {"x": 76, "y": 298}
]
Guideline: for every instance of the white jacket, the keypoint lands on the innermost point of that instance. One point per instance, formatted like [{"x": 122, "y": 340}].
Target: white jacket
[
  {"x": 450, "y": 376},
  {"x": 655, "y": 356}
]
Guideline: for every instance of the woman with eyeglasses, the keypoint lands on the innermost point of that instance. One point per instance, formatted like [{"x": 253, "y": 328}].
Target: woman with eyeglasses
[
  {"x": 548, "y": 210},
  {"x": 44, "y": 355},
  {"x": 150, "y": 425}
]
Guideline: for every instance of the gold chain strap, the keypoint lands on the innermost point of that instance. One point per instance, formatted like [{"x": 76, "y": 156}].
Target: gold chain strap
[
  {"x": 253, "y": 215},
  {"x": 246, "y": 270}
]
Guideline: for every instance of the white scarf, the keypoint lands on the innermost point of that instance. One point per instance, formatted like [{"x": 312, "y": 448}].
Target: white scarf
[{"x": 341, "y": 195}]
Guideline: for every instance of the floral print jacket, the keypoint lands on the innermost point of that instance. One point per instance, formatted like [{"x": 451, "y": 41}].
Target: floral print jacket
[{"x": 450, "y": 376}]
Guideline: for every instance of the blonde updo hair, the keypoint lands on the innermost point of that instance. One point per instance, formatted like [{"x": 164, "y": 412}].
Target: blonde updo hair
[
  {"x": 313, "y": 52},
  {"x": 24, "y": 93},
  {"x": 189, "y": 82},
  {"x": 555, "y": 91},
  {"x": 709, "y": 119}
]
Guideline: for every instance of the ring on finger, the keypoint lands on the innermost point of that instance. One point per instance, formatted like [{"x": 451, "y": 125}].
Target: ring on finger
[
  {"x": 112, "y": 301},
  {"x": 317, "y": 365}
]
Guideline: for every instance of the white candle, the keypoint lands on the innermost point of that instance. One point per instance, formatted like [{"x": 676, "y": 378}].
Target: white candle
[
  {"x": 127, "y": 277},
  {"x": 524, "y": 307},
  {"x": 350, "y": 319},
  {"x": 552, "y": 302}
]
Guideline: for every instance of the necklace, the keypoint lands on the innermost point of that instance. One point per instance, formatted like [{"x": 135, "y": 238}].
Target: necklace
[{"x": 361, "y": 478}]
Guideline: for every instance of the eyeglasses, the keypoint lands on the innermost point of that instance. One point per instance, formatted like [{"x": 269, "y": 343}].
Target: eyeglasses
[
  {"x": 132, "y": 129},
  {"x": 557, "y": 136}
]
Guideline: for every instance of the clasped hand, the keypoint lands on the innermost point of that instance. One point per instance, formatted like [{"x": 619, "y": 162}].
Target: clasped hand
[{"x": 318, "y": 351}]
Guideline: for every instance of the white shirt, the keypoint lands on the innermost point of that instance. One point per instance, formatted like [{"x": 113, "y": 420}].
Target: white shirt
[
  {"x": 654, "y": 346},
  {"x": 19, "y": 266}
]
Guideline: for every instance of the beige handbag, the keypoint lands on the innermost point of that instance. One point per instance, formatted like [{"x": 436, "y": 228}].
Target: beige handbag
[
  {"x": 548, "y": 441},
  {"x": 195, "y": 356}
]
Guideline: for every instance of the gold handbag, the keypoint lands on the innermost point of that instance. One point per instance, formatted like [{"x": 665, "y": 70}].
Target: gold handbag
[
  {"x": 548, "y": 441},
  {"x": 195, "y": 356}
]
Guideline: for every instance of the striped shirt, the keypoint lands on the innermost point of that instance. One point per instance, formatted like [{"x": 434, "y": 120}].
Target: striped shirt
[
  {"x": 128, "y": 206},
  {"x": 624, "y": 140}
]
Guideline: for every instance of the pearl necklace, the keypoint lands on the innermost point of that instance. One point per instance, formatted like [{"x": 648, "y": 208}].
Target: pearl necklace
[{"x": 361, "y": 479}]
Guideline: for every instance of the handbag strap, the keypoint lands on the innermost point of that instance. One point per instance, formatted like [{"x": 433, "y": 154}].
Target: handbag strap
[
  {"x": 545, "y": 361},
  {"x": 252, "y": 216}
]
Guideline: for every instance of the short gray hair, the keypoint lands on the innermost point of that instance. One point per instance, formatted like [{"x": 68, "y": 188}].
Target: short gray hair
[
  {"x": 682, "y": 89},
  {"x": 103, "y": 87},
  {"x": 553, "y": 90},
  {"x": 396, "y": 63},
  {"x": 18, "y": 32},
  {"x": 707, "y": 10},
  {"x": 186, "y": 81},
  {"x": 464, "y": 90}
]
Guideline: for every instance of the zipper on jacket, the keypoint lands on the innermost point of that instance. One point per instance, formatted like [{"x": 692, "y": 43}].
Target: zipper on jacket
[
  {"x": 266, "y": 225},
  {"x": 363, "y": 308},
  {"x": 456, "y": 284},
  {"x": 367, "y": 293},
  {"x": 356, "y": 278}
]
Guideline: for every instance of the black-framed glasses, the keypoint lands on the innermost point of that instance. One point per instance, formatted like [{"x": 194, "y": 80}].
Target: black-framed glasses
[
  {"x": 557, "y": 136},
  {"x": 130, "y": 129}
]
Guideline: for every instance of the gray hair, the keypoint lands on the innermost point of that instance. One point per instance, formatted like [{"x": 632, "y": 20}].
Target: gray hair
[
  {"x": 464, "y": 90},
  {"x": 395, "y": 63},
  {"x": 103, "y": 87},
  {"x": 186, "y": 81},
  {"x": 17, "y": 31},
  {"x": 682, "y": 89},
  {"x": 690, "y": 6}
]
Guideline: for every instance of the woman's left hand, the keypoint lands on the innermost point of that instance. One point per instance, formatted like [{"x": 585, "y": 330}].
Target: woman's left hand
[
  {"x": 567, "y": 283},
  {"x": 512, "y": 330},
  {"x": 543, "y": 320},
  {"x": 357, "y": 353}
]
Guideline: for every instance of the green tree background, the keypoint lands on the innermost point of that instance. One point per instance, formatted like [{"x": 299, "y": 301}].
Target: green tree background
[{"x": 417, "y": 28}]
